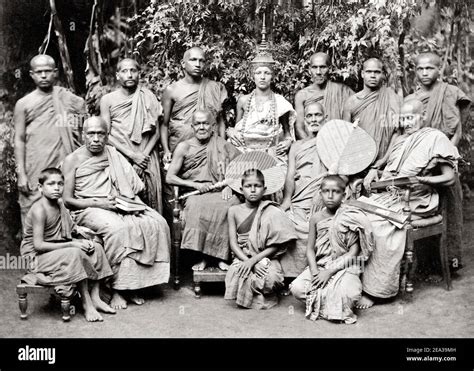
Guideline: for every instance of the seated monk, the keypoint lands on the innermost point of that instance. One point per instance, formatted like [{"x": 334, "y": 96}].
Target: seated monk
[
  {"x": 57, "y": 258},
  {"x": 303, "y": 179},
  {"x": 198, "y": 163},
  {"x": 340, "y": 238},
  {"x": 137, "y": 243},
  {"x": 420, "y": 151},
  {"x": 259, "y": 233}
]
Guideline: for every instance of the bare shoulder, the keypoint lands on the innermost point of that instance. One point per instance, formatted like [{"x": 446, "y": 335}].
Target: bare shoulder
[
  {"x": 302, "y": 94},
  {"x": 107, "y": 98},
  {"x": 318, "y": 216},
  {"x": 182, "y": 147},
  {"x": 37, "y": 211},
  {"x": 243, "y": 99},
  {"x": 23, "y": 102},
  {"x": 73, "y": 160}
]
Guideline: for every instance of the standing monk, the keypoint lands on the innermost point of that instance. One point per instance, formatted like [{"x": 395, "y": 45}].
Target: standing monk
[
  {"x": 377, "y": 107},
  {"x": 446, "y": 108},
  {"x": 46, "y": 128},
  {"x": 331, "y": 95},
  {"x": 132, "y": 113},
  {"x": 182, "y": 98}
]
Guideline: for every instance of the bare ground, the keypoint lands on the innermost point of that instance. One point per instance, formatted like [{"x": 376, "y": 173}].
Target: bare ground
[{"x": 433, "y": 312}]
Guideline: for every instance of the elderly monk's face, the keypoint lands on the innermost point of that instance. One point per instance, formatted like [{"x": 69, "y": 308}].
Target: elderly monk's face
[
  {"x": 410, "y": 120},
  {"x": 95, "y": 136},
  {"x": 194, "y": 62},
  {"x": 372, "y": 74},
  {"x": 43, "y": 74},
  {"x": 427, "y": 71},
  {"x": 202, "y": 125},
  {"x": 313, "y": 117},
  {"x": 127, "y": 75},
  {"x": 319, "y": 69},
  {"x": 263, "y": 77}
]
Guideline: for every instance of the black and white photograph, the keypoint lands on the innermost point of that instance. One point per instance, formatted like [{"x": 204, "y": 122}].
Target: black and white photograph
[{"x": 279, "y": 184}]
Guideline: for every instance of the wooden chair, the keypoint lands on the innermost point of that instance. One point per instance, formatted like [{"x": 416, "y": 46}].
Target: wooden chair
[
  {"x": 24, "y": 289},
  {"x": 209, "y": 274},
  {"x": 417, "y": 230}
]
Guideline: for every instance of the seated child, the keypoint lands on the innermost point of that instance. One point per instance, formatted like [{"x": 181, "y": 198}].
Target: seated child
[
  {"x": 340, "y": 240},
  {"x": 259, "y": 232},
  {"x": 57, "y": 259}
]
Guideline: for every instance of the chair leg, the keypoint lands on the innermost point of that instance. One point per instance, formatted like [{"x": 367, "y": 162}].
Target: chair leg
[
  {"x": 409, "y": 257},
  {"x": 66, "y": 309},
  {"x": 197, "y": 290},
  {"x": 23, "y": 304},
  {"x": 443, "y": 254}
]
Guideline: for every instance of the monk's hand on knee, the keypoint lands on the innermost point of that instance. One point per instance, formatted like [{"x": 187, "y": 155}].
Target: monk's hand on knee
[
  {"x": 260, "y": 270},
  {"x": 227, "y": 193},
  {"x": 245, "y": 268},
  {"x": 321, "y": 278}
]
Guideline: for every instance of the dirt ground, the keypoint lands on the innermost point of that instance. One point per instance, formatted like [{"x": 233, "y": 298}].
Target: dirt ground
[{"x": 433, "y": 312}]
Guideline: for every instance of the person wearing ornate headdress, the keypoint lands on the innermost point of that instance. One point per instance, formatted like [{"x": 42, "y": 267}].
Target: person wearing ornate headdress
[
  {"x": 265, "y": 120},
  {"x": 332, "y": 95}
]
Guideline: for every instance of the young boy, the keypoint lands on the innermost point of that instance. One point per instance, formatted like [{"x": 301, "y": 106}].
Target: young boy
[
  {"x": 259, "y": 232},
  {"x": 58, "y": 259},
  {"x": 340, "y": 239}
]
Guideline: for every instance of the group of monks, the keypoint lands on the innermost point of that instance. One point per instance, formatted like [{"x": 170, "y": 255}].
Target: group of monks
[{"x": 99, "y": 220}]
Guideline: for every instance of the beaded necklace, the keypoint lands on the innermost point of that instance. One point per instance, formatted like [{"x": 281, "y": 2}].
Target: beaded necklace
[{"x": 273, "y": 117}]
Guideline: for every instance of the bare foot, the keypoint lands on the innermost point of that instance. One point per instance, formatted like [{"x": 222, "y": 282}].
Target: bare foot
[
  {"x": 118, "y": 302},
  {"x": 102, "y": 306},
  {"x": 364, "y": 303},
  {"x": 138, "y": 300},
  {"x": 200, "y": 266},
  {"x": 223, "y": 266},
  {"x": 92, "y": 315}
]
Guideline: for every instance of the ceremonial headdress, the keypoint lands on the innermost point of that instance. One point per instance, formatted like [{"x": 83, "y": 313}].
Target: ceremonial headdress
[{"x": 263, "y": 58}]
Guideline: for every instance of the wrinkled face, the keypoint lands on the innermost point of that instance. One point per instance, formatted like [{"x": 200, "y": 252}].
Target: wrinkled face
[
  {"x": 202, "y": 126},
  {"x": 53, "y": 186},
  {"x": 332, "y": 194},
  {"x": 372, "y": 74},
  {"x": 410, "y": 120},
  {"x": 194, "y": 62},
  {"x": 95, "y": 136},
  {"x": 253, "y": 189},
  {"x": 127, "y": 75},
  {"x": 313, "y": 117},
  {"x": 319, "y": 69},
  {"x": 43, "y": 74},
  {"x": 427, "y": 71},
  {"x": 263, "y": 77}
]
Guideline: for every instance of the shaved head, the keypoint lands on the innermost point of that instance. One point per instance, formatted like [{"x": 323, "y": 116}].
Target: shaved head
[
  {"x": 372, "y": 61},
  {"x": 42, "y": 59},
  {"x": 413, "y": 106},
  {"x": 127, "y": 60},
  {"x": 313, "y": 104},
  {"x": 320, "y": 55},
  {"x": 95, "y": 120},
  {"x": 432, "y": 57},
  {"x": 188, "y": 52}
]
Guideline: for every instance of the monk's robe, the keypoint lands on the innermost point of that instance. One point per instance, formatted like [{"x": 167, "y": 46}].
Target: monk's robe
[
  {"x": 267, "y": 226},
  {"x": 137, "y": 246},
  {"x": 205, "y": 216},
  {"x": 260, "y": 129},
  {"x": 415, "y": 155},
  {"x": 378, "y": 114},
  {"x": 61, "y": 268},
  {"x": 210, "y": 95},
  {"x": 133, "y": 123},
  {"x": 332, "y": 98},
  {"x": 335, "y": 236},
  {"x": 52, "y": 132},
  {"x": 309, "y": 173},
  {"x": 445, "y": 107}
]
